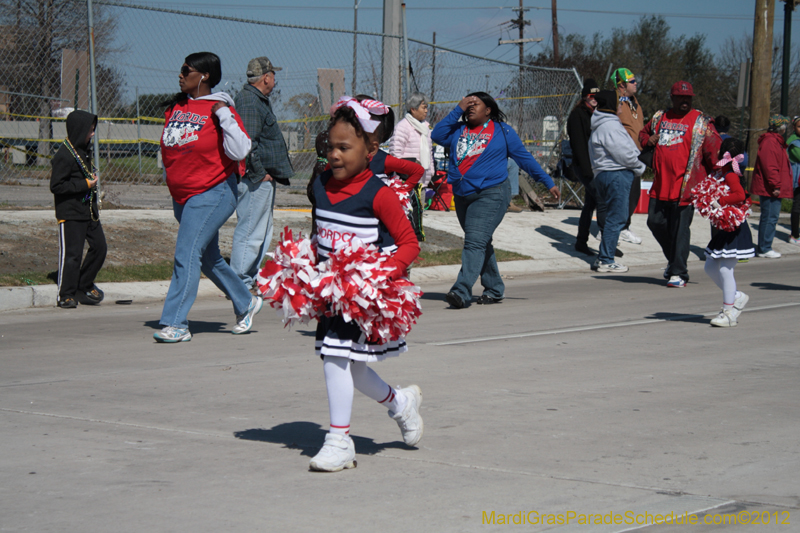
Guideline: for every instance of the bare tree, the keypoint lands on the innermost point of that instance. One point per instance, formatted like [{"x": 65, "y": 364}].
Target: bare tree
[{"x": 36, "y": 31}]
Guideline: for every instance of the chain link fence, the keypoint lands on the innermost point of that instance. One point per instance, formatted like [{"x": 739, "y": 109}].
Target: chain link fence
[{"x": 140, "y": 49}]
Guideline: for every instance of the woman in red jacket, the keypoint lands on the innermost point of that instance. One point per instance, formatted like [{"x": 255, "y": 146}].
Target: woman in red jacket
[
  {"x": 772, "y": 180},
  {"x": 202, "y": 144}
]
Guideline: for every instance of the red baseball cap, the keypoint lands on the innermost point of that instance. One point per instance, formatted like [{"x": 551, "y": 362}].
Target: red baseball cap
[{"x": 682, "y": 88}]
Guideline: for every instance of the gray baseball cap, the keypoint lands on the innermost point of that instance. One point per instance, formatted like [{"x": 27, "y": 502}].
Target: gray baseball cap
[{"x": 260, "y": 66}]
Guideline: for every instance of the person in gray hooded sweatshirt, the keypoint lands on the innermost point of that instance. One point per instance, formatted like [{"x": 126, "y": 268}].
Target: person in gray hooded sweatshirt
[{"x": 614, "y": 164}]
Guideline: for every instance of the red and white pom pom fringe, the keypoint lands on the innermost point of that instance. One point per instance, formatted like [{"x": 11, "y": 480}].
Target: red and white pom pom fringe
[
  {"x": 285, "y": 281},
  {"x": 402, "y": 190},
  {"x": 727, "y": 217},
  {"x": 356, "y": 282}
]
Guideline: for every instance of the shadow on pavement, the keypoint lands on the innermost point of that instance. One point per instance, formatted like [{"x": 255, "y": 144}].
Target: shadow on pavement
[
  {"x": 196, "y": 326},
  {"x": 632, "y": 279},
  {"x": 433, "y": 296},
  {"x": 775, "y": 287},
  {"x": 309, "y": 436},
  {"x": 564, "y": 243},
  {"x": 699, "y": 252},
  {"x": 676, "y": 317}
]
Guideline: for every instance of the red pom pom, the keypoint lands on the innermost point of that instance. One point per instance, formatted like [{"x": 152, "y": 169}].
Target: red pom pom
[
  {"x": 357, "y": 283},
  {"x": 402, "y": 190},
  {"x": 706, "y": 197},
  {"x": 285, "y": 281}
]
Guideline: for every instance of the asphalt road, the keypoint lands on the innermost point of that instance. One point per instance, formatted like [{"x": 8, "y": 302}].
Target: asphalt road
[{"x": 581, "y": 393}]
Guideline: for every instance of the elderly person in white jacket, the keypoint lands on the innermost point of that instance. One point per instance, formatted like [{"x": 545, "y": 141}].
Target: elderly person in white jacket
[
  {"x": 615, "y": 162},
  {"x": 412, "y": 136}
]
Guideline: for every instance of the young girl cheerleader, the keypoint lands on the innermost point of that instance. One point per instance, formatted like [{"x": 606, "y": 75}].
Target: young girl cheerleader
[
  {"x": 350, "y": 201},
  {"x": 727, "y": 247}
]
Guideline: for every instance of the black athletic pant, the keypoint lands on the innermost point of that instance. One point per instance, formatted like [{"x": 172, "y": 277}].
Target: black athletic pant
[
  {"x": 671, "y": 226},
  {"x": 589, "y": 206},
  {"x": 796, "y": 214},
  {"x": 636, "y": 193},
  {"x": 72, "y": 276}
]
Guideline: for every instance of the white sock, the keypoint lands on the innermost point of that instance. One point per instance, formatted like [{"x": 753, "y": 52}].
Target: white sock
[{"x": 339, "y": 383}]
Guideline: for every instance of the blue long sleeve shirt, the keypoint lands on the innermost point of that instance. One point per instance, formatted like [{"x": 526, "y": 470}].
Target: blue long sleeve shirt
[{"x": 491, "y": 167}]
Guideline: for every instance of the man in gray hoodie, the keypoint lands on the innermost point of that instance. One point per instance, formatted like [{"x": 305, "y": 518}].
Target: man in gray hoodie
[{"x": 614, "y": 163}]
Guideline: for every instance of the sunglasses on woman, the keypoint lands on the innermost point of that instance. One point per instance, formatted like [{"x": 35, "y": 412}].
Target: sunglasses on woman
[{"x": 186, "y": 70}]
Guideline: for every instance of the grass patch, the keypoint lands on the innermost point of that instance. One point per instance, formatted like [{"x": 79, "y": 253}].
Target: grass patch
[
  {"x": 154, "y": 272},
  {"x": 163, "y": 271},
  {"x": 453, "y": 257},
  {"x": 131, "y": 164}
]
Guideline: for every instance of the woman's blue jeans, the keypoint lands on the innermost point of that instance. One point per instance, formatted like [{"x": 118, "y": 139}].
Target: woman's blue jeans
[
  {"x": 479, "y": 215},
  {"x": 197, "y": 249},
  {"x": 613, "y": 188},
  {"x": 767, "y": 222}
]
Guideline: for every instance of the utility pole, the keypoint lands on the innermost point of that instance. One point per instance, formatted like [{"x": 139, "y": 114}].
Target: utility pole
[
  {"x": 433, "y": 74},
  {"x": 390, "y": 64},
  {"x": 355, "y": 44},
  {"x": 555, "y": 32},
  {"x": 761, "y": 78},
  {"x": 520, "y": 23},
  {"x": 788, "y": 7}
]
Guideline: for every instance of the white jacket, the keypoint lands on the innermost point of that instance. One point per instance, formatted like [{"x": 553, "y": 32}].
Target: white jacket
[
  {"x": 610, "y": 146},
  {"x": 405, "y": 144}
]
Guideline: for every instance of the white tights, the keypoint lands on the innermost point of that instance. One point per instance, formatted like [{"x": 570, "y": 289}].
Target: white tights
[
  {"x": 721, "y": 272},
  {"x": 342, "y": 376}
]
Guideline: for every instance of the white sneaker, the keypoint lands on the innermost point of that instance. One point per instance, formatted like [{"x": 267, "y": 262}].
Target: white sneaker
[
  {"x": 772, "y": 254},
  {"x": 245, "y": 321},
  {"x": 739, "y": 303},
  {"x": 611, "y": 267},
  {"x": 629, "y": 236},
  {"x": 794, "y": 241},
  {"x": 170, "y": 334},
  {"x": 336, "y": 454},
  {"x": 408, "y": 420},
  {"x": 725, "y": 319}
]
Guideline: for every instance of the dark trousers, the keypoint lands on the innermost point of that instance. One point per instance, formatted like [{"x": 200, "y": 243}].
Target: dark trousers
[
  {"x": 671, "y": 226},
  {"x": 796, "y": 214},
  {"x": 636, "y": 192},
  {"x": 589, "y": 206},
  {"x": 72, "y": 275}
]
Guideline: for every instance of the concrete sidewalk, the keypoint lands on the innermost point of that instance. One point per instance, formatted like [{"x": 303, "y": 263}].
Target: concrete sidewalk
[{"x": 548, "y": 238}]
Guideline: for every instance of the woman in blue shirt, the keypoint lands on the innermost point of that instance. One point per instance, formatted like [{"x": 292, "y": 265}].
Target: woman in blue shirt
[{"x": 480, "y": 144}]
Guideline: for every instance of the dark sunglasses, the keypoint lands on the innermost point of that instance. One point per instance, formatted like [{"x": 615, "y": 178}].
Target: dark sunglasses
[
  {"x": 186, "y": 70},
  {"x": 632, "y": 81}
]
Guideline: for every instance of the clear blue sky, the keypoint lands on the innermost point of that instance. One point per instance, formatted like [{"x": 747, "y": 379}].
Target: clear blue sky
[
  {"x": 152, "y": 45},
  {"x": 476, "y": 25}
]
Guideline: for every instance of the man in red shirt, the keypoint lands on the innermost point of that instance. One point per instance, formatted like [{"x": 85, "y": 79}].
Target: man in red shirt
[{"x": 686, "y": 150}]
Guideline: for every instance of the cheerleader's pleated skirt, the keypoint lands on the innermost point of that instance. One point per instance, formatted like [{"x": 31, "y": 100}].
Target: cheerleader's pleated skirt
[
  {"x": 338, "y": 338},
  {"x": 732, "y": 244}
]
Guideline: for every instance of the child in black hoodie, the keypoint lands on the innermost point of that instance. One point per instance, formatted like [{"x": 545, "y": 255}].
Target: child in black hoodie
[{"x": 74, "y": 187}]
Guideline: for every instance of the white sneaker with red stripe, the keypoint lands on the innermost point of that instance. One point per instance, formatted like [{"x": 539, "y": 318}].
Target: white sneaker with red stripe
[
  {"x": 336, "y": 454},
  {"x": 409, "y": 420}
]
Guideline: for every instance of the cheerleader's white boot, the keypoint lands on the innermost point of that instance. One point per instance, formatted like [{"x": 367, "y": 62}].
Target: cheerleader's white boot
[
  {"x": 725, "y": 319},
  {"x": 409, "y": 420},
  {"x": 336, "y": 454}
]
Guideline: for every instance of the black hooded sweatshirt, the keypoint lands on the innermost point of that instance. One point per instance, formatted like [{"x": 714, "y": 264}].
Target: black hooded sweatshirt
[{"x": 68, "y": 181}]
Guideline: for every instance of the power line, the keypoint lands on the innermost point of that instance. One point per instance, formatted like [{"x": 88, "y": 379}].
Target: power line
[{"x": 473, "y": 8}]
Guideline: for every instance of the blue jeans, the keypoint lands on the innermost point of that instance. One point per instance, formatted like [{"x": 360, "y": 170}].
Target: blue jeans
[
  {"x": 613, "y": 189},
  {"x": 513, "y": 177},
  {"x": 197, "y": 248},
  {"x": 479, "y": 215},
  {"x": 770, "y": 211},
  {"x": 253, "y": 232}
]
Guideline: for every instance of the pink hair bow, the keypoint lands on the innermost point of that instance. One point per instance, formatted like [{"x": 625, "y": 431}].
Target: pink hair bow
[
  {"x": 363, "y": 110},
  {"x": 726, "y": 158}
]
